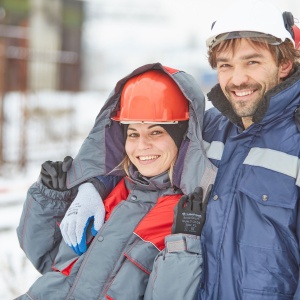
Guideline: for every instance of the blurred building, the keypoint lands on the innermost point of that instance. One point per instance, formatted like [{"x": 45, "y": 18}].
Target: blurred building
[
  {"x": 40, "y": 50},
  {"x": 53, "y": 52},
  {"x": 40, "y": 44}
]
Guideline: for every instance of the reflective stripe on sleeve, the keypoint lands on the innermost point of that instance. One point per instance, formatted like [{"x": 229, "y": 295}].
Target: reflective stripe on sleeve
[
  {"x": 214, "y": 150},
  {"x": 274, "y": 160}
]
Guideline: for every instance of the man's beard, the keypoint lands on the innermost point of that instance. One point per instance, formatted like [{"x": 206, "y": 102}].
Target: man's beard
[{"x": 244, "y": 108}]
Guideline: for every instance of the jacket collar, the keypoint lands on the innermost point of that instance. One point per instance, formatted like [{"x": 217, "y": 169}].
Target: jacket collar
[{"x": 137, "y": 180}]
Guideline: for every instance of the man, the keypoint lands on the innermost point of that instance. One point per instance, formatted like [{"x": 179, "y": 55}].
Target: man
[{"x": 252, "y": 231}]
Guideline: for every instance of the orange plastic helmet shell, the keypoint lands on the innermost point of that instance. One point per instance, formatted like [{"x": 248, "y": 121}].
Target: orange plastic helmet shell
[{"x": 152, "y": 97}]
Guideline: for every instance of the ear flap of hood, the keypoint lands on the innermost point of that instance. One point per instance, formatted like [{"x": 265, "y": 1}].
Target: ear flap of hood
[{"x": 103, "y": 149}]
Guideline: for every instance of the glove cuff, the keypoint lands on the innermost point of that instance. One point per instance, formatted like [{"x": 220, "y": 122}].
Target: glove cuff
[{"x": 54, "y": 194}]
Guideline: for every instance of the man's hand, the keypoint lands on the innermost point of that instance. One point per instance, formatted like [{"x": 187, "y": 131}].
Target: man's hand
[
  {"x": 86, "y": 207},
  {"x": 190, "y": 212},
  {"x": 54, "y": 174}
]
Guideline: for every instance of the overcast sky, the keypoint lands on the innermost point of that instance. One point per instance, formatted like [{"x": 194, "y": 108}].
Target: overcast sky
[{"x": 124, "y": 34}]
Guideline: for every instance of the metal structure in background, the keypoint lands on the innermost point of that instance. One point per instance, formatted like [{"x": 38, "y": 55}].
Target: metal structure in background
[{"x": 21, "y": 61}]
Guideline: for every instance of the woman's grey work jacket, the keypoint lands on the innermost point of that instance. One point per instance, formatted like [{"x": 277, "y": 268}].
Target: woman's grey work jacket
[{"x": 120, "y": 258}]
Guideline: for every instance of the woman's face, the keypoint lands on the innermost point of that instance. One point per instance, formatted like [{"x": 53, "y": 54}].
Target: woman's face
[{"x": 150, "y": 148}]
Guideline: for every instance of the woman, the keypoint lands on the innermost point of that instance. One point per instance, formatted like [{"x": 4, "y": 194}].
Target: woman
[{"x": 150, "y": 130}]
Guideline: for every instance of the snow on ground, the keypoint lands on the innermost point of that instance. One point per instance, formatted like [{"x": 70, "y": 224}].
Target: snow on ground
[
  {"x": 49, "y": 138},
  {"x": 17, "y": 273}
]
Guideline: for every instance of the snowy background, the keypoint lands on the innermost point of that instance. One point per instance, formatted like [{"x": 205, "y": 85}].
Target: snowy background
[
  {"x": 17, "y": 274},
  {"x": 122, "y": 34}
]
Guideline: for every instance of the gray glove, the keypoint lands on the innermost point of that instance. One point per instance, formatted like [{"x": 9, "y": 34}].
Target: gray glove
[
  {"x": 190, "y": 212},
  {"x": 54, "y": 174}
]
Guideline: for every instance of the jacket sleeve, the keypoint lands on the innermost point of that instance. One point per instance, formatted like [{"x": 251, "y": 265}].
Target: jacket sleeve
[
  {"x": 177, "y": 269},
  {"x": 38, "y": 231}
]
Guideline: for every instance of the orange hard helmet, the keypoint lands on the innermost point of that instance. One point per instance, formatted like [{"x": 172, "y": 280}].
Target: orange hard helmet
[{"x": 152, "y": 97}]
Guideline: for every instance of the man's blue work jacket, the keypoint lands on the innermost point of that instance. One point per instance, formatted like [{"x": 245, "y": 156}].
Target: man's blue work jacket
[{"x": 252, "y": 230}]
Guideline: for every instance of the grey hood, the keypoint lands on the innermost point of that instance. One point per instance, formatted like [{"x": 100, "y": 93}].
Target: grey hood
[{"x": 103, "y": 149}]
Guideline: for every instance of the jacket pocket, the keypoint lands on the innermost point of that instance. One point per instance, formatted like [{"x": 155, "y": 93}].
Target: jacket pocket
[
  {"x": 177, "y": 269},
  {"x": 132, "y": 277},
  {"x": 65, "y": 259},
  {"x": 267, "y": 240},
  {"x": 269, "y": 188},
  {"x": 268, "y": 201}
]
